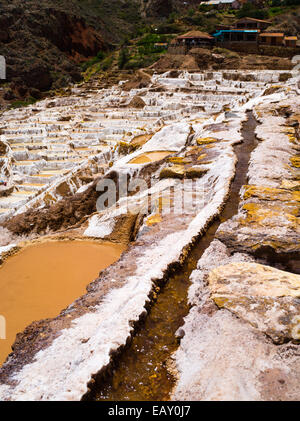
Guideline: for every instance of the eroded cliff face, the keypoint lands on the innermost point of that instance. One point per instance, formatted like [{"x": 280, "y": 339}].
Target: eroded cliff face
[
  {"x": 157, "y": 8},
  {"x": 163, "y": 8},
  {"x": 188, "y": 142}
]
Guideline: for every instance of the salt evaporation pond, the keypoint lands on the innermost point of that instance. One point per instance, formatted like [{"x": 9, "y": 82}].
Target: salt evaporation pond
[
  {"x": 44, "y": 278},
  {"x": 150, "y": 157}
]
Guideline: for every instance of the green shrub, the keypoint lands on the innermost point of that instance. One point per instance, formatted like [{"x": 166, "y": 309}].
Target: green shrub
[
  {"x": 138, "y": 62},
  {"x": 225, "y": 52},
  {"x": 123, "y": 57},
  {"x": 284, "y": 77},
  {"x": 249, "y": 10},
  {"x": 205, "y": 8},
  {"x": 98, "y": 58},
  {"x": 196, "y": 19},
  {"x": 106, "y": 63},
  {"x": 172, "y": 17},
  {"x": 23, "y": 103},
  {"x": 275, "y": 11},
  {"x": 150, "y": 39},
  {"x": 169, "y": 28},
  {"x": 291, "y": 2}
]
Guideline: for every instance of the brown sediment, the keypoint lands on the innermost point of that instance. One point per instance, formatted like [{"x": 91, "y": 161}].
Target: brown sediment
[
  {"x": 140, "y": 80},
  {"x": 140, "y": 140},
  {"x": 70, "y": 211},
  {"x": 136, "y": 143},
  {"x": 141, "y": 372},
  {"x": 150, "y": 157},
  {"x": 45, "y": 277}
]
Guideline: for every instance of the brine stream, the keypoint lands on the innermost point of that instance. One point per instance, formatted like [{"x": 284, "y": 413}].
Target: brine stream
[{"x": 140, "y": 372}]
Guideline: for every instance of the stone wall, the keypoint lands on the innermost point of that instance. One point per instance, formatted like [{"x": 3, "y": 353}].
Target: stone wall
[
  {"x": 278, "y": 51},
  {"x": 254, "y": 48},
  {"x": 244, "y": 47},
  {"x": 177, "y": 49}
]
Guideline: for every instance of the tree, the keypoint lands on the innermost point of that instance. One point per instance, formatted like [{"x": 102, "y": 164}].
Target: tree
[
  {"x": 249, "y": 10},
  {"x": 123, "y": 57}
]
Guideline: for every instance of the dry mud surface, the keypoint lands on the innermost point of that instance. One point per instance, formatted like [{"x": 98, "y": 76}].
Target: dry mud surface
[{"x": 59, "y": 153}]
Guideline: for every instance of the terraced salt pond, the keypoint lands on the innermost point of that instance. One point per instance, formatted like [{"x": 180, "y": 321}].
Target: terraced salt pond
[
  {"x": 43, "y": 278},
  {"x": 150, "y": 157},
  {"x": 61, "y": 138}
]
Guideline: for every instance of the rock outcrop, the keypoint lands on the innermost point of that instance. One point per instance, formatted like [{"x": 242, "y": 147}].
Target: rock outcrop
[
  {"x": 268, "y": 220},
  {"x": 44, "y": 42},
  {"x": 225, "y": 354},
  {"x": 266, "y": 297},
  {"x": 203, "y": 59}
]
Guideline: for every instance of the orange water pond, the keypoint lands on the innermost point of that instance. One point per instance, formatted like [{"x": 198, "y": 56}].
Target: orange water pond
[
  {"x": 44, "y": 278},
  {"x": 150, "y": 157}
]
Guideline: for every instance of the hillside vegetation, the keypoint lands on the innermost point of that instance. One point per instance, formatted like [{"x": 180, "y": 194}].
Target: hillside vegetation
[{"x": 49, "y": 44}]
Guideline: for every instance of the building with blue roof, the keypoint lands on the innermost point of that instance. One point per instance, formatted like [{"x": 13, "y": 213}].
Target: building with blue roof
[{"x": 237, "y": 35}]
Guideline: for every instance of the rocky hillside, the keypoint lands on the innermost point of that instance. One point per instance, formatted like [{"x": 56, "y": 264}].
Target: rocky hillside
[
  {"x": 163, "y": 8},
  {"x": 44, "y": 41},
  {"x": 220, "y": 58},
  {"x": 288, "y": 23}
]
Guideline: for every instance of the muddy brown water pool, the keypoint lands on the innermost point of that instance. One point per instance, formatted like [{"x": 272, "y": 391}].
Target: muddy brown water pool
[
  {"x": 44, "y": 278},
  {"x": 140, "y": 372}
]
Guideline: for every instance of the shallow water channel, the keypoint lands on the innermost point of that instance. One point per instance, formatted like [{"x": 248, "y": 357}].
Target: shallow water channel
[{"x": 141, "y": 370}]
